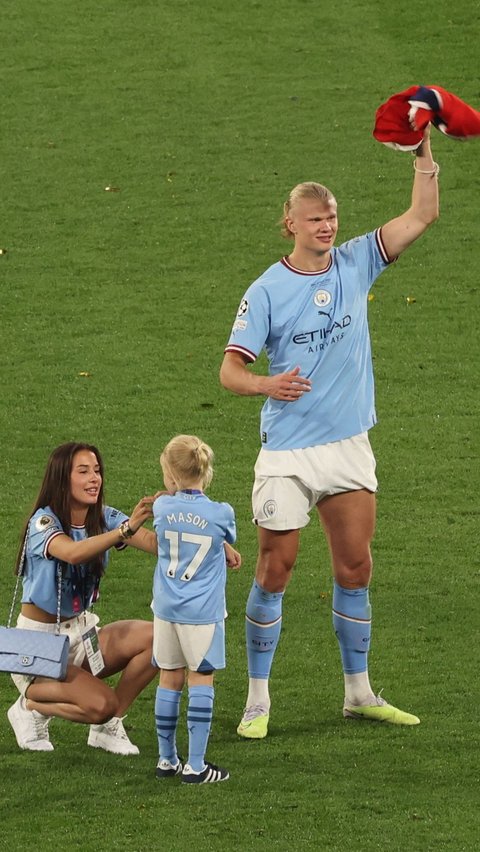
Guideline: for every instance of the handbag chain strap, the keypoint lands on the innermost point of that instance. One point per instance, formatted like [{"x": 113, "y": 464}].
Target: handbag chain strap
[
  {"x": 59, "y": 598},
  {"x": 10, "y": 615},
  {"x": 19, "y": 572}
]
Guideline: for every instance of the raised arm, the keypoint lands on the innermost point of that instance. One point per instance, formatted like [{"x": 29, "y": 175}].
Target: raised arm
[
  {"x": 401, "y": 232},
  {"x": 235, "y": 376}
]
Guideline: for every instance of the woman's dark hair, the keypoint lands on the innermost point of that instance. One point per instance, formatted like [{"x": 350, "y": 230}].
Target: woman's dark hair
[{"x": 55, "y": 492}]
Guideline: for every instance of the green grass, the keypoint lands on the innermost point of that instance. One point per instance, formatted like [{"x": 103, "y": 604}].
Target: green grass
[{"x": 204, "y": 115}]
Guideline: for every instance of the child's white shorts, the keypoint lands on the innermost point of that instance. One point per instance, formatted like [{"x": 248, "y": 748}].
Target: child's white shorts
[{"x": 198, "y": 647}]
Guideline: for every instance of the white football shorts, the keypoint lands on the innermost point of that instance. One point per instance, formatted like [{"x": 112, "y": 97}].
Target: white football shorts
[
  {"x": 289, "y": 483},
  {"x": 198, "y": 647},
  {"x": 73, "y": 628}
]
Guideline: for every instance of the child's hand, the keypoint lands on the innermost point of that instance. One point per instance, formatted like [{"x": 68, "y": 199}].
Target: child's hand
[
  {"x": 141, "y": 513},
  {"x": 234, "y": 560}
]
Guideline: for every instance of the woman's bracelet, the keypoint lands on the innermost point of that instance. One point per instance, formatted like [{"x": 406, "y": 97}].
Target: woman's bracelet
[
  {"x": 434, "y": 171},
  {"x": 125, "y": 530}
]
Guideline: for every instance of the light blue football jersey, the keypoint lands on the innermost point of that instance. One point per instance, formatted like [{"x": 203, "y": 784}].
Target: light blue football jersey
[
  {"x": 317, "y": 321},
  {"x": 79, "y": 586},
  {"x": 190, "y": 576}
]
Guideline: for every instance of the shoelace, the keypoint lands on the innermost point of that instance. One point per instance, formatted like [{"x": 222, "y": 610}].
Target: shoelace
[
  {"x": 380, "y": 702},
  {"x": 41, "y": 726},
  {"x": 116, "y": 729},
  {"x": 252, "y": 712}
]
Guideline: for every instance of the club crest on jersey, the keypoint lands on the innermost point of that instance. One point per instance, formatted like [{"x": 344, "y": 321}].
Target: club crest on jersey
[
  {"x": 44, "y": 522},
  {"x": 243, "y": 308},
  {"x": 322, "y": 298}
]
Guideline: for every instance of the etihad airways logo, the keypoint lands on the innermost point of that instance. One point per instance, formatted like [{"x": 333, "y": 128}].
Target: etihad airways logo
[{"x": 322, "y": 333}]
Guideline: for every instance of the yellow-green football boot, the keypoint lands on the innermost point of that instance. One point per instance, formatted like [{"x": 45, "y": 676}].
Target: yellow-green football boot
[
  {"x": 254, "y": 723},
  {"x": 380, "y": 711}
]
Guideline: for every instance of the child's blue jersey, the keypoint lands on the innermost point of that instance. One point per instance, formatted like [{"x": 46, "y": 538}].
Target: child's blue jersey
[
  {"x": 79, "y": 586},
  {"x": 317, "y": 321},
  {"x": 190, "y": 577}
]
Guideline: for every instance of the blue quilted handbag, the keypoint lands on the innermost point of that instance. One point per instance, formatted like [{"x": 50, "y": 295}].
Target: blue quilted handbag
[{"x": 33, "y": 652}]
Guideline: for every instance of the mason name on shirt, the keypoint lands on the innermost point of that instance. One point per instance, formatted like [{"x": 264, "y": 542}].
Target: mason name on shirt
[{"x": 187, "y": 518}]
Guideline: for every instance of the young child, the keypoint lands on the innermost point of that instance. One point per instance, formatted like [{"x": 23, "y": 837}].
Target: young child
[{"x": 194, "y": 536}]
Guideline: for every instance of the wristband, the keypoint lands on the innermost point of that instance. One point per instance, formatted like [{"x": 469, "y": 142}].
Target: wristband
[{"x": 434, "y": 171}]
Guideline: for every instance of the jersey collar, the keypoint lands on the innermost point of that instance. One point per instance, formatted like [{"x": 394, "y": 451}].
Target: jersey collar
[{"x": 292, "y": 268}]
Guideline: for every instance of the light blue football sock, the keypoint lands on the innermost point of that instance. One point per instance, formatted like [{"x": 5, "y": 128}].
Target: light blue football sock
[
  {"x": 167, "y": 709},
  {"x": 263, "y": 624},
  {"x": 199, "y": 722},
  {"x": 352, "y": 622}
]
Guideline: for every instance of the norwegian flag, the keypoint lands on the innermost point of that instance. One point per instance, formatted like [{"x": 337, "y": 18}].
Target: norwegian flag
[{"x": 400, "y": 121}]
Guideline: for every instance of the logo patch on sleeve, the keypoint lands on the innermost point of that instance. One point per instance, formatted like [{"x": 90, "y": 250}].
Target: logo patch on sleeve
[
  {"x": 44, "y": 522},
  {"x": 243, "y": 308}
]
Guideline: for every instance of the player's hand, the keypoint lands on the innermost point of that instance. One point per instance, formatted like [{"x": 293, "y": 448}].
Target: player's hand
[
  {"x": 286, "y": 387},
  {"x": 234, "y": 560},
  {"x": 425, "y": 143}
]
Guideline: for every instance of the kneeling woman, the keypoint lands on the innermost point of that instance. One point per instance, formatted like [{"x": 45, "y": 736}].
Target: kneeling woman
[{"x": 71, "y": 528}]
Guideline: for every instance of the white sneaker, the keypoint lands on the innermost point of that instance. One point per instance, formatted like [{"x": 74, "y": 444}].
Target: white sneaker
[
  {"x": 30, "y": 727},
  {"x": 111, "y": 737}
]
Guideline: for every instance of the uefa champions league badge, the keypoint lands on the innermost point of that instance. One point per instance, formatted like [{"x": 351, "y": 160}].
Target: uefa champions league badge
[
  {"x": 322, "y": 298},
  {"x": 242, "y": 308}
]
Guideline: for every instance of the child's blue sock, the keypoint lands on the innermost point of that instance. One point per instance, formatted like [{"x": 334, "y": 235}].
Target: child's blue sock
[
  {"x": 199, "y": 722},
  {"x": 167, "y": 708}
]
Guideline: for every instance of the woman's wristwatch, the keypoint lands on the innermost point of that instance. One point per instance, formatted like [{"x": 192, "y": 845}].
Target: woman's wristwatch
[{"x": 125, "y": 530}]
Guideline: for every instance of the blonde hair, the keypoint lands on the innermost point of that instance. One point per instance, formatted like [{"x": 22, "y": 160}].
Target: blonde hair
[
  {"x": 188, "y": 459},
  {"x": 308, "y": 189}
]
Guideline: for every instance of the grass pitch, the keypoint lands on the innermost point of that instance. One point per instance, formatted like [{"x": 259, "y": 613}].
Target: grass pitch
[{"x": 116, "y": 305}]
